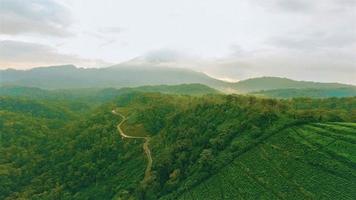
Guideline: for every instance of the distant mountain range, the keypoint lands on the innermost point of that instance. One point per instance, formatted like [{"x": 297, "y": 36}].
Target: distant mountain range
[
  {"x": 307, "y": 92},
  {"x": 272, "y": 83},
  {"x": 68, "y": 76},
  {"x": 118, "y": 76}
]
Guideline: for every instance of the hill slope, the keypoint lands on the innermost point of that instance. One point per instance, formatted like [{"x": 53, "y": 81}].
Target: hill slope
[
  {"x": 305, "y": 162},
  {"x": 261, "y": 146},
  {"x": 271, "y": 83},
  {"x": 80, "y": 158},
  {"x": 193, "y": 139},
  {"x": 102, "y": 95}
]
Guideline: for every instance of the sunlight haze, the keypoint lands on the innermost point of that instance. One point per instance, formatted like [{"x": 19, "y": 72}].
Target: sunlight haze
[{"x": 300, "y": 39}]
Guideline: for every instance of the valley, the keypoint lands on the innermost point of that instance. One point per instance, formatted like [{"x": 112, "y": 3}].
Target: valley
[{"x": 178, "y": 100}]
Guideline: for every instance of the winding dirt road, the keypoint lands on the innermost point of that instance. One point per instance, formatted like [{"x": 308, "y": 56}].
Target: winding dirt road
[{"x": 145, "y": 145}]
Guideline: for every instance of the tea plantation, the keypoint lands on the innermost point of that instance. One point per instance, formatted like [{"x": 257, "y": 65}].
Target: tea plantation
[{"x": 316, "y": 161}]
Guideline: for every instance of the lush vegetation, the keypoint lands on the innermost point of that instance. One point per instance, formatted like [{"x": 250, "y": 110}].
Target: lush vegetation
[
  {"x": 46, "y": 156},
  {"x": 101, "y": 95},
  {"x": 315, "y": 161},
  {"x": 55, "y": 145},
  {"x": 191, "y": 141}
]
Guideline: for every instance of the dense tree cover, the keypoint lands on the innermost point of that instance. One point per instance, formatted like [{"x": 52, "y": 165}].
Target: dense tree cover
[
  {"x": 77, "y": 159},
  {"x": 67, "y": 148},
  {"x": 59, "y": 147},
  {"x": 60, "y": 110}
]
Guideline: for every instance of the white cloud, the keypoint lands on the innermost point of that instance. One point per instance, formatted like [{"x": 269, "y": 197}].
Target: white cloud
[
  {"x": 26, "y": 55},
  {"x": 42, "y": 17},
  {"x": 232, "y": 39}
]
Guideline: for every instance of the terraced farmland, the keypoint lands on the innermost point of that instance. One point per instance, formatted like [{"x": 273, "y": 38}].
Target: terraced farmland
[{"x": 316, "y": 161}]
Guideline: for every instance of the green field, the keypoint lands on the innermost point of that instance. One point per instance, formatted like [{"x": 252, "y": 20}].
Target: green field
[{"x": 316, "y": 161}]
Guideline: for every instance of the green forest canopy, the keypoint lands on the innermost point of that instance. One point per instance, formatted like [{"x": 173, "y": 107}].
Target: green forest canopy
[{"x": 59, "y": 147}]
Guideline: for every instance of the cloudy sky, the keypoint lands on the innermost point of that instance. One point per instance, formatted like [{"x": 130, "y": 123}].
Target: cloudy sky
[{"x": 228, "y": 39}]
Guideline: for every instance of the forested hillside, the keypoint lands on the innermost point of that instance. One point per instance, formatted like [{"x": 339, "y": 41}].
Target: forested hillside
[
  {"x": 103, "y": 94},
  {"x": 212, "y": 146},
  {"x": 44, "y": 158},
  {"x": 195, "y": 140}
]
